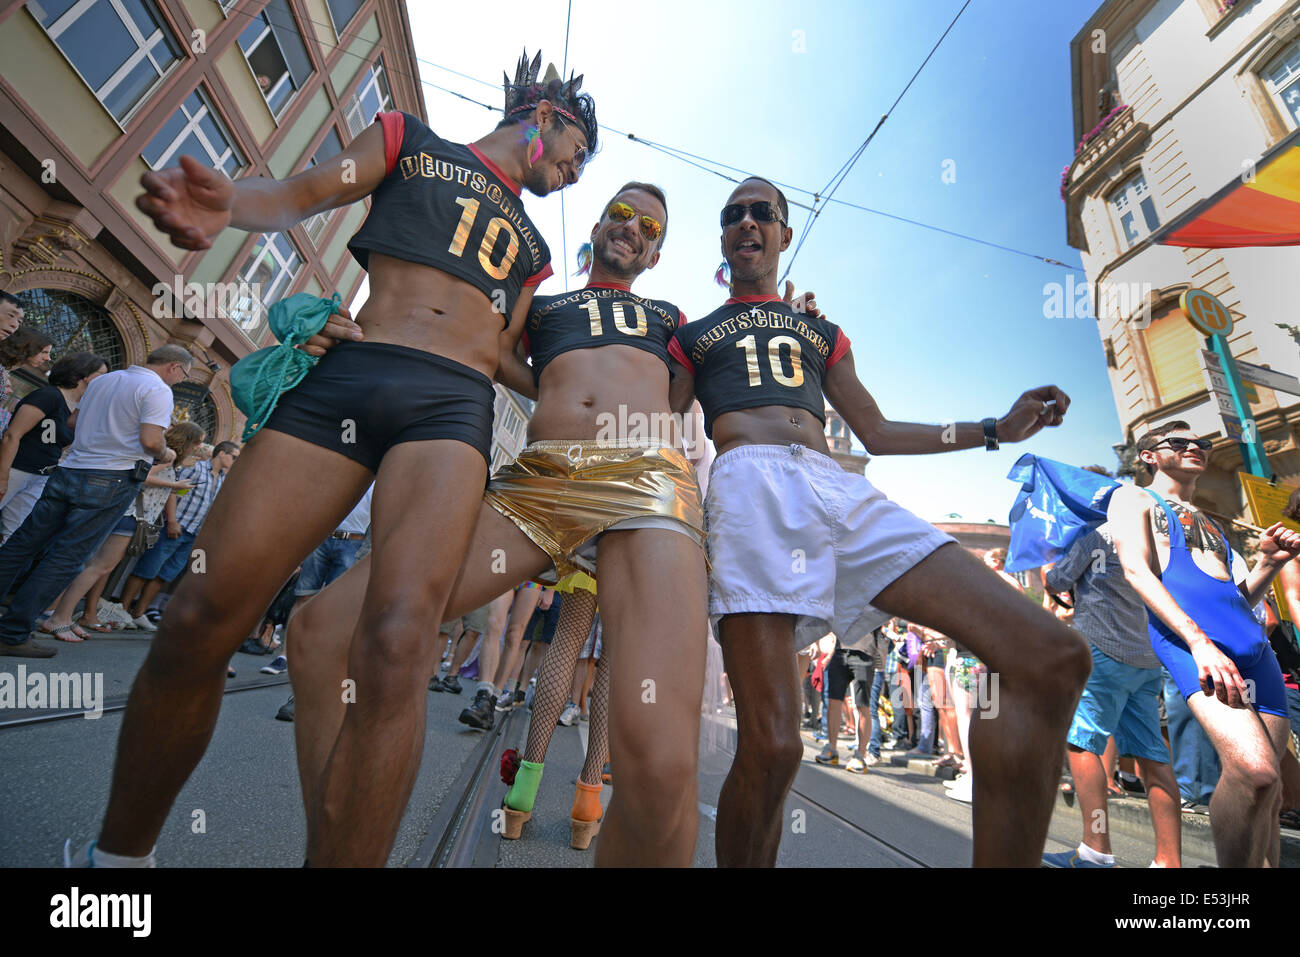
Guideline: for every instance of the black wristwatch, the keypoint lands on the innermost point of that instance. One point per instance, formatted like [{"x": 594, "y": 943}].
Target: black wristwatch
[{"x": 990, "y": 434}]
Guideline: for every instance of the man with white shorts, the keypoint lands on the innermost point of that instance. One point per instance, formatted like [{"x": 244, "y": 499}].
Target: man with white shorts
[{"x": 798, "y": 547}]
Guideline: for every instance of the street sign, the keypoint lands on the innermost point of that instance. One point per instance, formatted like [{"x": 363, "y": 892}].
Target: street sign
[
  {"x": 1216, "y": 380},
  {"x": 1206, "y": 312},
  {"x": 1259, "y": 375}
]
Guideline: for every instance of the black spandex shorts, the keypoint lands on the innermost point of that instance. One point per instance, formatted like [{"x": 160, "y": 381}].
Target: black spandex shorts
[
  {"x": 845, "y": 666},
  {"x": 363, "y": 398}
]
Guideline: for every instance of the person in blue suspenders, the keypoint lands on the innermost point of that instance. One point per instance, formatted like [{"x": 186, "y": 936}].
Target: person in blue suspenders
[{"x": 1203, "y": 631}]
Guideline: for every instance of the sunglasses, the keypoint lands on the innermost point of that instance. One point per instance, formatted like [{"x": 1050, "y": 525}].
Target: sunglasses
[
  {"x": 1181, "y": 444},
  {"x": 581, "y": 156},
  {"x": 762, "y": 211},
  {"x": 651, "y": 228}
]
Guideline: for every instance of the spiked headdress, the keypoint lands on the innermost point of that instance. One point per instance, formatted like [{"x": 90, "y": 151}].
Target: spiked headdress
[{"x": 525, "y": 92}]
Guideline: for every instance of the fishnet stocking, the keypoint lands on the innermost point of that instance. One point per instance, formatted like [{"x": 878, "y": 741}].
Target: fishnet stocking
[
  {"x": 554, "y": 677},
  {"x": 598, "y": 722}
]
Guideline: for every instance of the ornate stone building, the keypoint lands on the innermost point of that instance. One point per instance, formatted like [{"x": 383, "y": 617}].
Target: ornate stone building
[
  {"x": 1172, "y": 102},
  {"x": 95, "y": 93}
]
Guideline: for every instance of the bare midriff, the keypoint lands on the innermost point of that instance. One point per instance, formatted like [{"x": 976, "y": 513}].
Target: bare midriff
[
  {"x": 616, "y": 392},
  {"x": 769, "y": 425},
  {"x": 423, "y": 308}
]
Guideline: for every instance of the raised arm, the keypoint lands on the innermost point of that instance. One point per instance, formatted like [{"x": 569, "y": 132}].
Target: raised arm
[
  {"x": 192, "y": 203},
  {"x": 1277, "y": 546},
  {"x": 513, "y": 370},
  {"x": 1129, "y": 517},
  {"x": 1035, "y": 409}
]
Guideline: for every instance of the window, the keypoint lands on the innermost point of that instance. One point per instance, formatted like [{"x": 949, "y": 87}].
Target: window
[
  {"x": 1135, "y": 210},
  {"x": 372, "y": 96},
  {"x": 75, "y": 324},
  {"x": 195, "y": 130},
  {"x": 1283, "y": 82},
  {"x": 276, "y": 55},
  {"x": 120, "y": 47},
  {"x": 342, "y": 12},
  {"x": 1173, "y": 346},
  {"x": 269, "y": 273},
  {"x": 192, "y": 403},
  {"x": 330, "y": 147}
]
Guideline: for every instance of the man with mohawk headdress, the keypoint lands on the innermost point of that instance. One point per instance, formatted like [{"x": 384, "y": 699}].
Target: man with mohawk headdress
[{"x": 403, "y": 400}]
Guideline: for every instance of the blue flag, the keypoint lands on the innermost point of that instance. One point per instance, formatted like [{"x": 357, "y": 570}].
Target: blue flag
[{"x": 1056, "y": 504}]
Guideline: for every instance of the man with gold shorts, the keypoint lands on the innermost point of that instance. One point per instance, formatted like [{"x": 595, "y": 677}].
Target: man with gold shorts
[{"x": 603, "y": 462}]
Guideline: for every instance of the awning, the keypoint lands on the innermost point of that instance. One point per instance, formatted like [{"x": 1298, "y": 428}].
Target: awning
[{"x": 1264, "y": 212}]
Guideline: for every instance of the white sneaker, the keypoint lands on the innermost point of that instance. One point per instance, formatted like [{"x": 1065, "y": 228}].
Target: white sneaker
[
  {"x": 86, "y": 857},
  {"x": 963, "y": 790},
  {"x": 569, "y": 716},
  {"x": 144, "y": 624}
]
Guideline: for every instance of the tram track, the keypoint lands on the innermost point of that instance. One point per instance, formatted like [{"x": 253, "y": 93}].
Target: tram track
[
  {"x": 900, "y": 856},
  {"x": 116, "y": 703}
]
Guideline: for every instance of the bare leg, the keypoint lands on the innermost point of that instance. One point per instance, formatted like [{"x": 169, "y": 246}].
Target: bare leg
[
  {"x": 285, "y": 497},
  {"x": 370, "y": 772},
  {"x": 833, "y": 725},
  {"x": 151, "y": 590},
  {"x": 1243, "y": 810},
  {"x": 1040, "y": 667},
  {"x": 521, "y": 610},
  {"x": 532, "y": 661},
  {"x": 657, "y": 651},
  {"x": 92, "y": 599},
  {"x": 1166, "y": 813},
  {"x": 99, "y": 565},
  {"x": 1089, "y": 773},
  {"x": 130, "y": 591},
  {"x": 751, "y": 808}
]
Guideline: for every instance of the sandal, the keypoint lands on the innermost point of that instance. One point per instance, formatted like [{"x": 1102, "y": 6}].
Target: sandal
[
  {"x": 45, "y": 629},
  {"x": 99, "y": 627},
  {"x": 65, "y": 633},
  {"x": 947, "y": 761},
  {"x": 1067, "y": 787}
]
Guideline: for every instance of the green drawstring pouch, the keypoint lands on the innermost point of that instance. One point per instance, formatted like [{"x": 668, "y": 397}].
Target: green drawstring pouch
[{"x": 258, "y": 380}]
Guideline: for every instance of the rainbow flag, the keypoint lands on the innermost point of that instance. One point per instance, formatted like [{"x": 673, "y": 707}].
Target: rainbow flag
[{"x": 1263, "y": 212}]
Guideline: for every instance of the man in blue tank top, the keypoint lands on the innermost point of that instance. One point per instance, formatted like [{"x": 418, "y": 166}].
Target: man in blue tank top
[
  {"x": 452, "y": 259},
  {"x": 1202, "y": 629}
]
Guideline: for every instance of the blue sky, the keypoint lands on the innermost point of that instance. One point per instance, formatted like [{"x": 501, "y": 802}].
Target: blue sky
[{"x": 943, "y": 329}]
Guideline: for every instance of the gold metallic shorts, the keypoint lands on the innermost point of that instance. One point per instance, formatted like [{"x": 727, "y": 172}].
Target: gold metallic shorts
[{"x": 564, "y": 494}]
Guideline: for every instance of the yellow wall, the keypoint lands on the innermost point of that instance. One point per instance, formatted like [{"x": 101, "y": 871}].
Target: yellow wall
[
  {"x": 367, "y": 35},
  {"x": 285, "y": 158},
  {"x": 125, "y": 190},
  {"x": 218, "y": 263},
  {"x": 337, "y": 248},
  {"x": 321, "y": 26},
  {"x": 206, "y": 15},
  {"x": 239, "y": 80},
  {"x": 39, "y": 73}
]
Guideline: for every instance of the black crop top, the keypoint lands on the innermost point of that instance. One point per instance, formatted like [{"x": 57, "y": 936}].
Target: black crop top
[
  {"x": 758, "y": 351},
  {"x": 448, "y": 206},
  {"x": 598, "y": 315}
]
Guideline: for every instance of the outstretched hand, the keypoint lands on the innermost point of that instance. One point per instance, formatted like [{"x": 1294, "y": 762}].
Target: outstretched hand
[
  {"x": 1035, "y": 409},
  {"x": 190, "y": 203},
  {"x": 805, "y": 304}
]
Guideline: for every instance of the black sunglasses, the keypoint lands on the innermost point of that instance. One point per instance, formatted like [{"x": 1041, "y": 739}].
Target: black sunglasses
[
  {"x": 1179, "y": 444},
  {"x": 762, "y": 211}
]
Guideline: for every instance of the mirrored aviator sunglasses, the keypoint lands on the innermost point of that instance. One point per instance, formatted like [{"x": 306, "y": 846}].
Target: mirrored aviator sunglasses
[
  {"x": 762, "y": 211},
  {"x": 651, "y": 228}
]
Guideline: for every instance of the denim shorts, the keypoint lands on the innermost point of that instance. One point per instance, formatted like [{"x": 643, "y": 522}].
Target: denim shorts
[
  {"x": 331, "y": 559},
  {"x": 1120, "y": 699},
  {"x": 166, "y": 559}
]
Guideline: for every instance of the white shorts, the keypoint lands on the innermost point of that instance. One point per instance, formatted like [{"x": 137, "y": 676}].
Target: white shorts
[{"x": 790, "y": 532}]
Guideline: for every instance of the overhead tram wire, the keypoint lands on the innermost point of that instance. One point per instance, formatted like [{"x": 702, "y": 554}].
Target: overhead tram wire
[
  {"x": 672, "y": 151},
  {"x": 844, "y": 170},
  {"x": 564, "y": 68}
]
